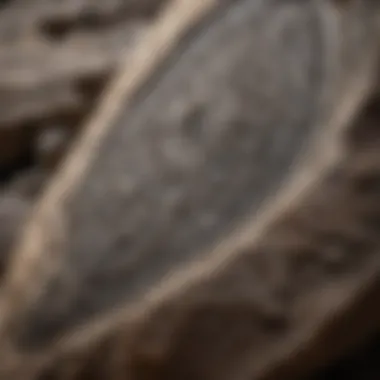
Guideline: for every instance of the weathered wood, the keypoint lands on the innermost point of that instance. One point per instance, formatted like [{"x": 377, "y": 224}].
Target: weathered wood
[{"x": 212, "y": 212}]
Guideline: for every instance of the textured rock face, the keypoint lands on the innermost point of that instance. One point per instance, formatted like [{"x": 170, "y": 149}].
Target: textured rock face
[{"x": 134, "y": 265}]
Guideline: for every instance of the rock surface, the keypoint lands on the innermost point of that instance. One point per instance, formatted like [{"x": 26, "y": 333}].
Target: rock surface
[{"x": 55, "y": 59}]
